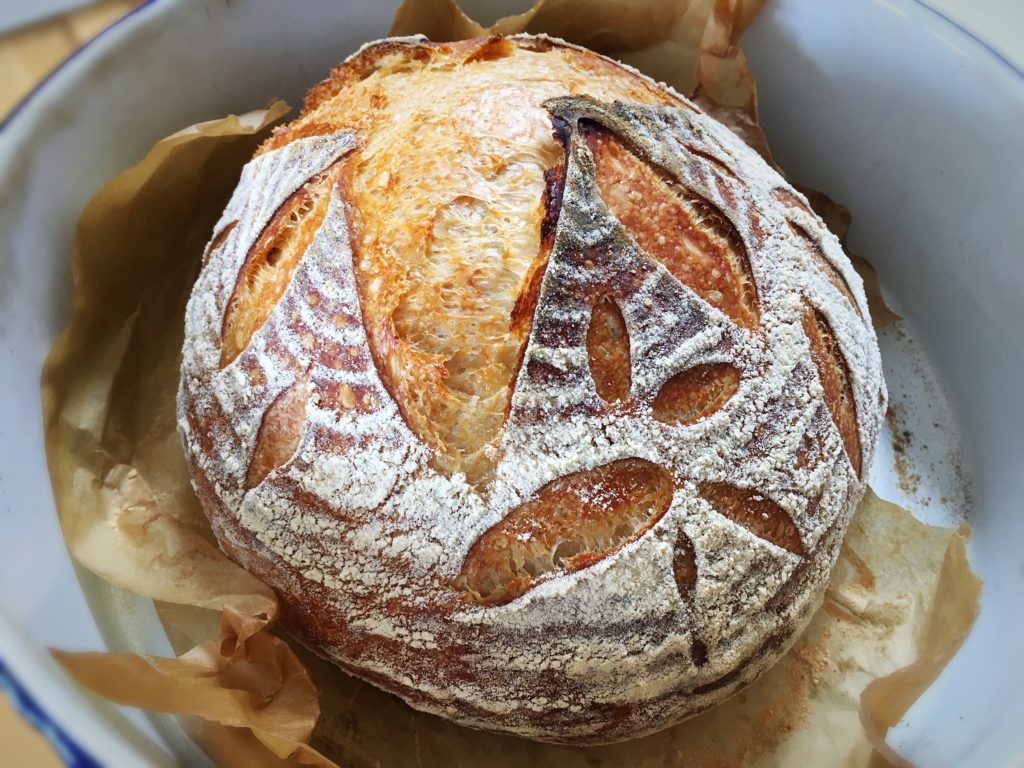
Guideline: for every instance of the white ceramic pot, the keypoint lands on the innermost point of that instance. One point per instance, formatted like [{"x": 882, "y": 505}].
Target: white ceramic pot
[{"x": 907, "y": 119}]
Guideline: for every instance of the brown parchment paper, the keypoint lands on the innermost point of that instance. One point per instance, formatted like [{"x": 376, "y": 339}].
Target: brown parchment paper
[
  {"x": 121, "y": 485},
  {"x": 900, "y": 602}
]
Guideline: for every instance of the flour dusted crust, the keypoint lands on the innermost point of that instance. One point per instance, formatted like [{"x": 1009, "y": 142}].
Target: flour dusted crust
[{"x": 541, "y": 400}]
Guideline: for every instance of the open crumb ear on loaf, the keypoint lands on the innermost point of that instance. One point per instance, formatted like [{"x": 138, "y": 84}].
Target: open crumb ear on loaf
[{"x": 445, "y": 270}]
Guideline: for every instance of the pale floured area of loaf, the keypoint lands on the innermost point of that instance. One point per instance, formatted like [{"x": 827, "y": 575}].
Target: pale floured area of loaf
[{"x": 428, "y": 414}]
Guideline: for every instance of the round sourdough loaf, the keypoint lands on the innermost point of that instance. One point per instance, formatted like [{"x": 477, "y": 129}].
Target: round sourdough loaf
[{"x": 541, "y": 400}]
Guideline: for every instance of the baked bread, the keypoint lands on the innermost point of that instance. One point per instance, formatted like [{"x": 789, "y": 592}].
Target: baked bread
[{"x": 539, "y": 398}]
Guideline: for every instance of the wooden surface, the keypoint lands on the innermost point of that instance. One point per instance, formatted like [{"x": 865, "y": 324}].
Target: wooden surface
[
  {"x": 20, "y": 744},
  {"x": 28, "y": 55}
]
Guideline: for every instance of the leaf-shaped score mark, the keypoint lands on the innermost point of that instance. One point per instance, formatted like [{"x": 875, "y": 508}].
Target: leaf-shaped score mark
[
  {"x": 684, "y": 569},
  {"x": 688, "y": 235},
  {"x": 696, "y": 393},
  {"x": 571, "y": 523},
  {"x": 834, "y": 375},
  {"x": 448, "y": 314},
  {"x": 272, "y": 260},
  {"x": 758, "y": 514},
  {"x": 608, "y": 351},
  {"x": 279, "y": 433}
]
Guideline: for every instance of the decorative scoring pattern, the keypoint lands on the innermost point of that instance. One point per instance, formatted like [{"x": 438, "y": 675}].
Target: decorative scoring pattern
[{"x": 680, "y": 454}]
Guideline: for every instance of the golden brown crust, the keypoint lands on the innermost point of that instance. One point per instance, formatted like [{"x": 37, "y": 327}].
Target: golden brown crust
[
  {"x": 753, "y": 511},
  {"x": 569, "y": 524},
  {"x": 279, "y": 432},
  {"x": 501, "y": 449},
  {"x": 695, "y": 242}
]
